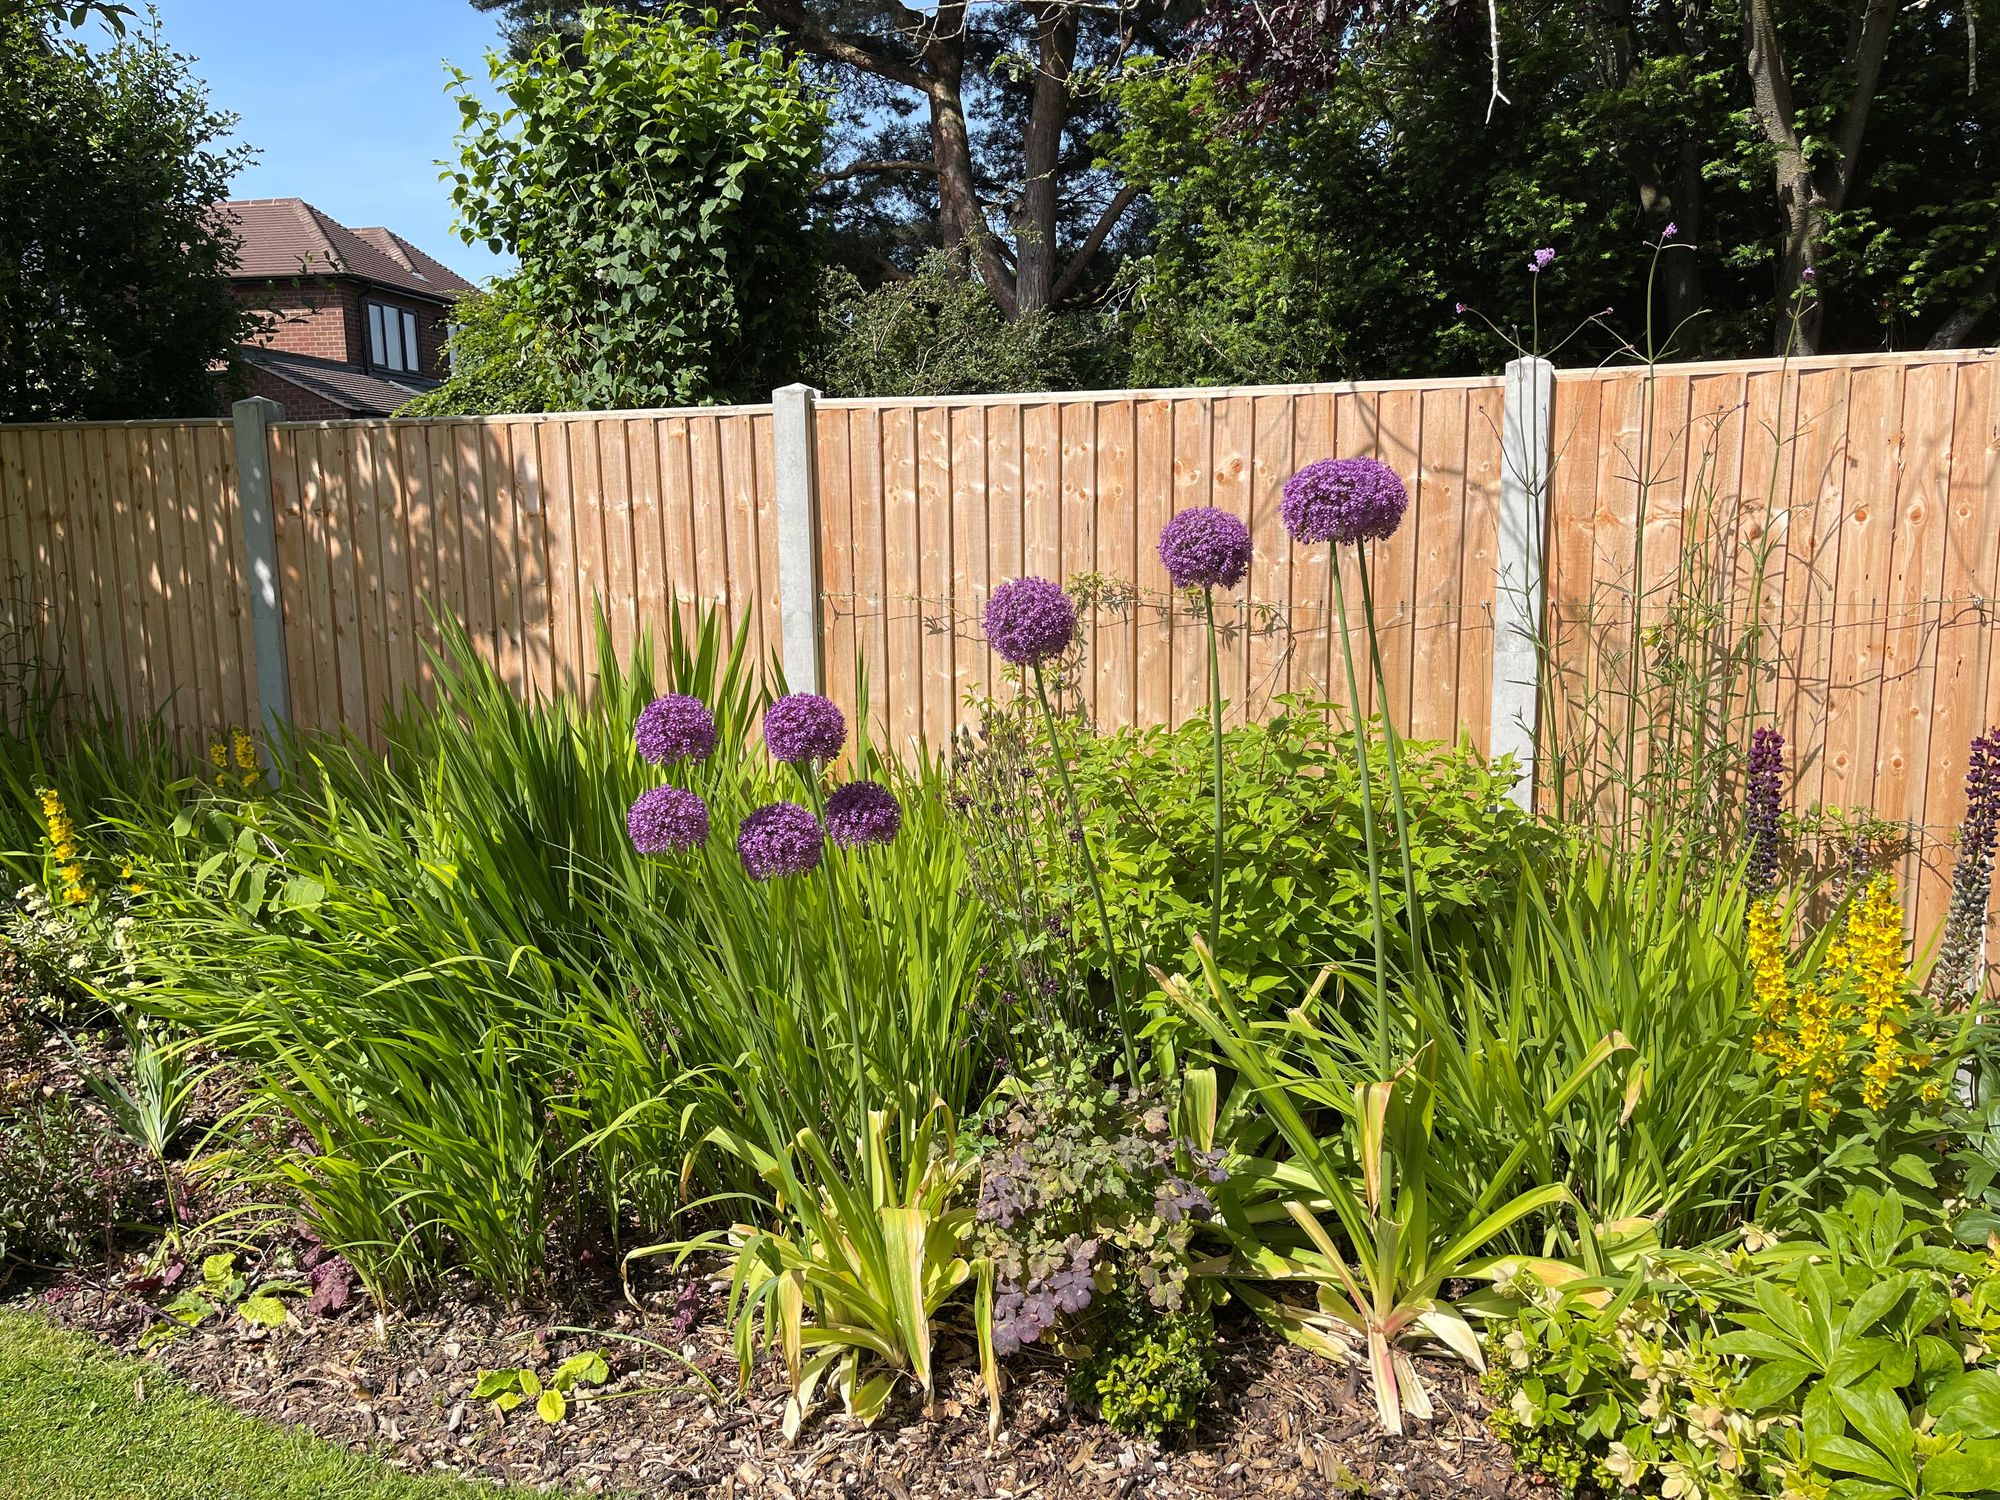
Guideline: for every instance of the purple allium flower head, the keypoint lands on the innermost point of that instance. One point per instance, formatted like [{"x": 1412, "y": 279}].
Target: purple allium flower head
[
  {"x": 667, "y": 820},
  {"x": 1806, "y": 274},
  {"x": 1029, "y": 621},
  {"x": 1762, "y": 799},
  {"x": 779, "y": 839},
  {"x": 673, "y": 728},
  {"x": 1960, "y": 972},
  {"x": 1542, "y": 260},
  {"x": 862, "y": 812},
  {"x": 1459, "y": 308},
  {"x": 804, "y": 726},
  {"x": 1205, "y": 547},
  {"x": 1670, "y": 231},
  {"x": 1344, "y": 500}
]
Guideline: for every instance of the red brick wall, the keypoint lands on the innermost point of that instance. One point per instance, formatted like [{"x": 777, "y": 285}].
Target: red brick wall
[{"x": 329, "y": 320}]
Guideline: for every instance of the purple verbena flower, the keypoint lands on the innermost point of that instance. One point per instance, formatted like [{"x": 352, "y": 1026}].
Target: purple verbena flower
[
  {"x": 1762, "y": 803},
  {"x": 1806, "y": 274},
  {"x": 1960, "y": 966},
  {"x": 1670, "y": 231},
  {"x": 1459, "y": 308},
  {"x": 1205, "y": 547},
  {"x": 1030, "y": 621},
  {"x": 862, "y": 812},
  {"x": 779, "y": 839},
  {"x": 675, "y": 727},
  {"x": 1344, "y": 500},
  {"x": 667, "y": 820},
  {"x": 1542, "y": 260},
  {"x": 804, "y": 726}
]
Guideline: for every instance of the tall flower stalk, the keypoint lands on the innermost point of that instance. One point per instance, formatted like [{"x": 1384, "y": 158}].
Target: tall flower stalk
[
  {"x": 1205, "y": 548},
  {"x": 1353, "y": 501},
  {"x": 1029, "y": 623},
  {"x": 1961, "y": 966}
]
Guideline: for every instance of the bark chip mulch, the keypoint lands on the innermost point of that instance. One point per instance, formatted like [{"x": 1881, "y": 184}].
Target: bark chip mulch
[{"x": 1282, "y": 1423}]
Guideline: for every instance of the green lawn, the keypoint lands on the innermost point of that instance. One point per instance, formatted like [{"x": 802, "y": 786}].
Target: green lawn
[{"x": 72, "y": 1428}]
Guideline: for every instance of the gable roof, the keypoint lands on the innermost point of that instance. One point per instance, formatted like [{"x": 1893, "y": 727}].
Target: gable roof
[
  {"x": 352, "y": 390},
  {"x": 289, "y": 237}
]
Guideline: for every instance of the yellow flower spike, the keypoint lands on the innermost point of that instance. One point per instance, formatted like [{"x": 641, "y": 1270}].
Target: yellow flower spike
[
  {"x": 218, "y": 755},
  {"x": 245, "y": 750}
]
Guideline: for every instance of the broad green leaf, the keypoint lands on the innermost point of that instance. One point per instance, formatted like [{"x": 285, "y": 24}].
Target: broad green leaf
[
  {"x": 263, "y": 1311},
  {"x": 552, "y": 1406}
]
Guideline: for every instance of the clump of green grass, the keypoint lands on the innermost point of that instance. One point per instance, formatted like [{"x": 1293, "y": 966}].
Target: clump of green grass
[{"x": 74, "y": 1425}]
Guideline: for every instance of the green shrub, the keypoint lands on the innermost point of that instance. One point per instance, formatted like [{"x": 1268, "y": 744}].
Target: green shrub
[
  {"x": 940, "y": 333},
  {"x": 1296, "y": 888},
  {"x": 1861, "y": 1363},
  {"x": 1148, "y": 1371}
]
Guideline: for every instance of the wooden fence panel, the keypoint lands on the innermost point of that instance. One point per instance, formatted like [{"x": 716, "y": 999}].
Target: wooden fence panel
[{"x": 1849, "y": 507}]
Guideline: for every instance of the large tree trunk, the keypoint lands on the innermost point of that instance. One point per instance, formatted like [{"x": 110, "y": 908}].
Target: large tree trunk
[
  {"x": 962, "y": 226},
  {"x": 1799, "y": 202},
  {"x": 1034, "y": 218},
  {"x": 1806, "y": 198}
]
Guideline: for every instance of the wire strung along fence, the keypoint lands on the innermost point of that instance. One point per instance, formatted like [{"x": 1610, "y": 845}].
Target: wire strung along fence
[{"x": 1813, "y": 544}]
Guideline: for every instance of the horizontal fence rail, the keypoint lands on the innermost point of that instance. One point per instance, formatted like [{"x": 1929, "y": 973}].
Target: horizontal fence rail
[{"x": 1869, "y": 487}]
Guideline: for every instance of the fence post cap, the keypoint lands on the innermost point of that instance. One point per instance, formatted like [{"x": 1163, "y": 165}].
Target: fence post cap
[
  {"x": 251, "y": 405},
  {"x": 795, "y": 388}
]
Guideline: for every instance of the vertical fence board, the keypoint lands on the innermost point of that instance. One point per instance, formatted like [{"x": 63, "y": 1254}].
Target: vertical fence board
[{"x": 966, "y": 516}]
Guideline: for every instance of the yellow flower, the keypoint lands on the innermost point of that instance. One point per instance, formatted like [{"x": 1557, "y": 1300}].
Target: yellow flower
[
  {"x": 60, "y": 833},
  {"x": 218, "y": 755},
  {"x": 245, "y": 750}
]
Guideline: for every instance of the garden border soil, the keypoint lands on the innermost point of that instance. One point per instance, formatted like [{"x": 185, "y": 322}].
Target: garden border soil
[{"x": 1281, "y": 1423}]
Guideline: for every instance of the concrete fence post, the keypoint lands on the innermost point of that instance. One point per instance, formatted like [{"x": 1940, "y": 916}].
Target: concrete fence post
[
  {"x": 253, "y": 419},
  {"x": 1527, "y": 431},
  {"x": 797, "y": 470}
]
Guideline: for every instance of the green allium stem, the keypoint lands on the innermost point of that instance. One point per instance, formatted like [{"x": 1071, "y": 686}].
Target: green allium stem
[
  {"x": 1215, "y": 735},
  {"x": 1414, "y": 911},
  {"x": 1367, "y": 824},
  {"x": 810, "y": 774},
  {"x": 1090, "y": 872}
]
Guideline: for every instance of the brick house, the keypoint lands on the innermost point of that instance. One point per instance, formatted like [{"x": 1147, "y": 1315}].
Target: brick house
[{"x": 355, "y": 319}]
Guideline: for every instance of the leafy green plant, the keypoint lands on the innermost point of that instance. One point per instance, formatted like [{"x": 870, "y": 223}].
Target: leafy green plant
[
  {"x": 1859, "y": 1363},
  {"x": 1296, "y": 894},
  {"x": 1148, "y": 1372},
  {"x": 224, "y": 1288},
  {"x": 507, "y": 1389},
  {"x": 1084, "y": 1187},
  {"x": 1306, "y": 1128},
  {"x": 870, "y": 1260}
]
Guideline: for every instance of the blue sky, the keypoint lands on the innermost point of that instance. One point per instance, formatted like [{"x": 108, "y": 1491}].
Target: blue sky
[{"x": 346, "y": 100}]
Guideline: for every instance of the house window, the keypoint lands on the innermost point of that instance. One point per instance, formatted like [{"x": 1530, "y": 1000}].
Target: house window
[{"x": 392, "y": 338}]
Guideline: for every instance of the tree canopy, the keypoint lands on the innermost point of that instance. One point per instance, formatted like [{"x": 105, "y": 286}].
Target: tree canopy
[
  {"x": 651, "y": 177},
  {"x": 114, "y": 298}
]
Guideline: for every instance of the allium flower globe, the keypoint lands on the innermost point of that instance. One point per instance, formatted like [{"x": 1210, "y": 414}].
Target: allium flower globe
[
  {"x": 779, "y": 839},
  {"x": 862, "y": 812},
  {"x": 1205, "y": 547},
  {"x": 1344, "y": 500},
  {"x": 674, "y": 728},
  {"x": 667, "y": 820},
  {"x": 804, "y": 726},
  {"x": 1030, "y": 621}
]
